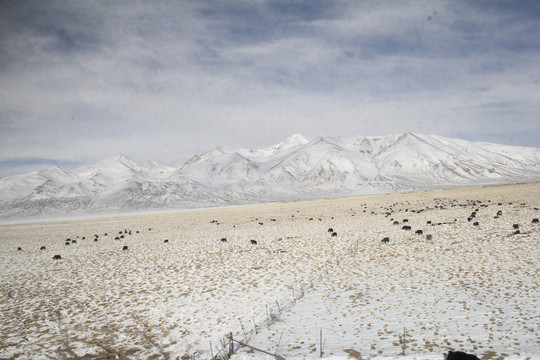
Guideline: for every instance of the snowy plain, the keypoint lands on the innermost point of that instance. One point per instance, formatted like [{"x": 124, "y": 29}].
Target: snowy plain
[{"x": 474, "y": 288}]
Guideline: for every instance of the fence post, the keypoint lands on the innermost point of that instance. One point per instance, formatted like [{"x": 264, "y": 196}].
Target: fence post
[
  {"x": 231, "y": 344},
  {"x": 321, "y": 352}
]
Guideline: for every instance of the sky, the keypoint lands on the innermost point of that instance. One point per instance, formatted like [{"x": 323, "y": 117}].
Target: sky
[{"x": 82, "y": 81}]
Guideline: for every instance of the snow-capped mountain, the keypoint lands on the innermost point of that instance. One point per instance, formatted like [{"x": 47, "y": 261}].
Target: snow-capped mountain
[{"x": 297, "y": 168}]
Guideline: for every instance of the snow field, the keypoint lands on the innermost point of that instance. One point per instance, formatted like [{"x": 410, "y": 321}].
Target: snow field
[{"x": 471, "y": 288}]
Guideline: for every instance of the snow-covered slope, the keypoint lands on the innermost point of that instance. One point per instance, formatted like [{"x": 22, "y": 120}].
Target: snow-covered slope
[{"x": 297, "y": 168}]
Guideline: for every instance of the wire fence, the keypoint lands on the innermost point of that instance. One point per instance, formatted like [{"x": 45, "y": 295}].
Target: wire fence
[{"x": 230, "y": 344}]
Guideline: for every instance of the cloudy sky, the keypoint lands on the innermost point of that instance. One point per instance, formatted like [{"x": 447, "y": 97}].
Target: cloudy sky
[{"x": 81, "y": 81}]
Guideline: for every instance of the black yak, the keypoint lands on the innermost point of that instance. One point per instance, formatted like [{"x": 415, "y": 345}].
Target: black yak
[{"x": 459, "y": 355}]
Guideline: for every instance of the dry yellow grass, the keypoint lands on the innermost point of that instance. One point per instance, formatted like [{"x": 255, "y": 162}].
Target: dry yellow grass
[{"x": 469, "y": 287}]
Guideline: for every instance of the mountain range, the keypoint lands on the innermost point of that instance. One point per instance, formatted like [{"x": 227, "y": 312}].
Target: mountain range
[{"x": 298, "y": 168}]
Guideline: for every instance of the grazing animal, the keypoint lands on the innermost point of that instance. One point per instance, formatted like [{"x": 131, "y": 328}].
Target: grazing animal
[
  {"x": 67, "y": 244},
  {"x": 535, "y": 221},
  {"x": 334, "y": 234},
  {"x": 19, "y": 248},
  {"x": 125, "y": 247},
  {"x": 330, "y": 230},
  {"x": 517, "y": 232},
  {"x": 96, "y": 239},
  {"x": 42, "y": 248},
  {"x": 419, "y": 232},
  {"x": 57, "y": 257},
  {"x": 386, "y": 240},
  {"x": 406, "y": 227},
  {"x": 223, "y": 239},
  {"x": 253, "y": 242},
  {"x": 396, "y": 223},
  {"x": 476, "y": 223},
  {"x": 405, "y": 220},
  {"x": 116, "y": 238},
  {"x": 459, "y": 355},
  {"x": 73, "y": 241},
  {"x": 165, "y": 241},
  {"x": 515, "y": 226}
]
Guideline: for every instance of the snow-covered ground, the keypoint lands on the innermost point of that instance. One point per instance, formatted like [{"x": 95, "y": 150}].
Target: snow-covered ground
[{"x": 471, "y": 287}]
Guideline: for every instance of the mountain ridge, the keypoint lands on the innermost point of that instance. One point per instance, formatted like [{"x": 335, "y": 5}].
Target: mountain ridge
[{"x": 298, "y": 168}]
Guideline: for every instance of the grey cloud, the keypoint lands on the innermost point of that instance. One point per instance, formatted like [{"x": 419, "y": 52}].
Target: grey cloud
[{"x": 84, "y": 80}]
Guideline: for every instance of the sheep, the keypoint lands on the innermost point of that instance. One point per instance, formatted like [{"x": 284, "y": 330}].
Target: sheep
[
  {"x": 57, "y": 257},
  {"x": 253, "y": 242}
]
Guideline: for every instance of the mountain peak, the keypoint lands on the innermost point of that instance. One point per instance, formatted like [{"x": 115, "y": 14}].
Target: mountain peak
[
  {"x": 290, "y": 142},
  {"x": 117, "y": 159},
  {"x": 298, "y": 139}
]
